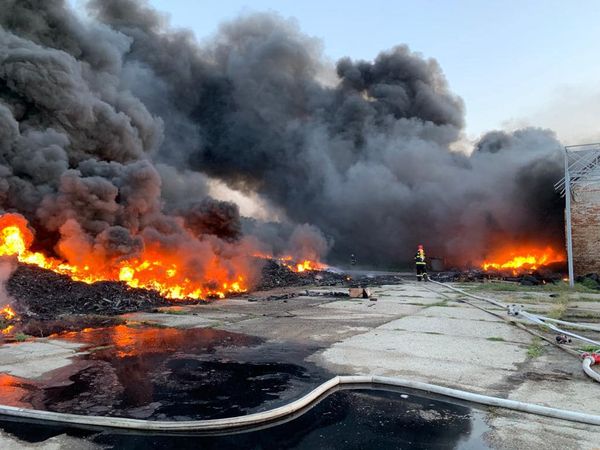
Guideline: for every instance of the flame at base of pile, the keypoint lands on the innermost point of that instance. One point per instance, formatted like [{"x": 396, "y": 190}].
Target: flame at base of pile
[
  {"x": 153, "y": 269},
  {"x": 522, "y": 259},
  {"x": 7, "y": 313},
  {"x": 295, "y": 266},
  {"x": 7, "y": 316}
]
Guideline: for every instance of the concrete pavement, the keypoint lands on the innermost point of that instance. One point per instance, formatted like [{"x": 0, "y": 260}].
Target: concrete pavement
[{"x": 413, "y": 331}]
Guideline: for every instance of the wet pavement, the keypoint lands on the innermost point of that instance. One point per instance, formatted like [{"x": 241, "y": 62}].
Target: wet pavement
[
  {"x": 166, "y": 373},
  {"x": 181, "y": 374},
  {"x": 349, "y": 419}
]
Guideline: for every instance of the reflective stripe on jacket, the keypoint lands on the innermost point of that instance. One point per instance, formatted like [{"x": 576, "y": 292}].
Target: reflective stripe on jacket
[{"x": 420, "y": 257}]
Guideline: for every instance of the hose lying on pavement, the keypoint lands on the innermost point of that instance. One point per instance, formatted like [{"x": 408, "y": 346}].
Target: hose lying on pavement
[
  {"x": 588, "y": 359},
  {"x": 291, "y": 408}
]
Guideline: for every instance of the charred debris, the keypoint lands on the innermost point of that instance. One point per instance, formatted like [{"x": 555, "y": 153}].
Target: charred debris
[{"x": 43, "y": 295}]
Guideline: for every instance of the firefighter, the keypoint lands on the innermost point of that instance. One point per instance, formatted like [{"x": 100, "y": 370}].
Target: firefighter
[{"x": 421, "y": 264}]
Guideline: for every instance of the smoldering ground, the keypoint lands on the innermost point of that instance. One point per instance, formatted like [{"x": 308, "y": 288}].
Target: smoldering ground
[{"x": 115, "y": 121}]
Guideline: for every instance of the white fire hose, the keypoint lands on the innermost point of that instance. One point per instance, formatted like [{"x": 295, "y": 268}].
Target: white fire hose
[
  {"x": 588, "y": 359},
  {"x": 310, "y": 399}
]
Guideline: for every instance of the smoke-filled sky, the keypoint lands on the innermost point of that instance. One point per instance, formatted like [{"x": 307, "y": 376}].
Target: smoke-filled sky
[
  {"x": 533, "y": 63},
  {"x": 116, "y": 127}
]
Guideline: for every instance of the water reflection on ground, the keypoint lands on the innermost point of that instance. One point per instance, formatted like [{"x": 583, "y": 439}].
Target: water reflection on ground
[
  {"x": 358, "y": 419},
  {"x": 177, "y": 374},
  {"x": 166, "y": 373}
]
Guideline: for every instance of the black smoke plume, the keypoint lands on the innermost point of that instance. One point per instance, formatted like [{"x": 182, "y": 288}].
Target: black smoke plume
[{"x": 111, "y": 125}]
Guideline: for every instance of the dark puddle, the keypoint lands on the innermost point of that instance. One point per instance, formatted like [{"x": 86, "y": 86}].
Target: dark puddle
[
  {"x": 175, "y": 374},
  {"x": 348, "y": 419},
  {"x": 166, "y": 373}
]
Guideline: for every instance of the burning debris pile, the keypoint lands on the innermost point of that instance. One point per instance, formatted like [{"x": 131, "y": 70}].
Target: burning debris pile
[
  {"x": 47, "y": 288},
  {"x": 43, "y": 294},
  {"x": 160, "y": 273},
  {"x": 523, "y": 259},
  {"x": 277, "y": 274},
  {"x": 525, "y": 264}
]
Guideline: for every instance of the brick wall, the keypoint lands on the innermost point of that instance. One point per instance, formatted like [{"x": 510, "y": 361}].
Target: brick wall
[{"x": 585, "y": 221}]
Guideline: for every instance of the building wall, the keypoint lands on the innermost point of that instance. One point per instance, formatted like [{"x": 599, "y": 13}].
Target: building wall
[{"x": 585, "y": 225}]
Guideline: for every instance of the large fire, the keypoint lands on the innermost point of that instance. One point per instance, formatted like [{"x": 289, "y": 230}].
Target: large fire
[
  {"x": 522, "y": 258},
  {"x": 153, "y": 270}
]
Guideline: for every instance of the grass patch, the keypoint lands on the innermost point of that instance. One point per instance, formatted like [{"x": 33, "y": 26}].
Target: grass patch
[
  {"x": 578, "y": 316},
  {"x": 442, "y": 303},
  {"x": 21, "y": 337},
  {"x": 495, "y": 339},
  {"x": 560, "y": 286},
  {"x": 535, "y": 349},
  {"x": 559, "y": 308},
  {"x": 588, "y": 299},
  {"x": 589, "y": 348},
  {"x": 589, "y": 283},
  {"x": 495, "y": 287}
]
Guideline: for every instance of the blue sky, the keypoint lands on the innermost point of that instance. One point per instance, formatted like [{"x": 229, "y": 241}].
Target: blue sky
[{"x": 514, "y": 63}]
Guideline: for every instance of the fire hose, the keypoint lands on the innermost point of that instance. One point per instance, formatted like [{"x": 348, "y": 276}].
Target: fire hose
[
  {"x": 291, "y": 409},
  {"x": 588, "y": 359}
]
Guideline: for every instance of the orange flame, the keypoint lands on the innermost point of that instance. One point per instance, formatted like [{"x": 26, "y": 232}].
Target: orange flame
[
  {"x": 7, "y": 313},
  {"x": 522, "y": 258},
  {"x": 155, "y": 269},
  {"x": 308, "y": 265},
  {"x": 294, "y": 266}
]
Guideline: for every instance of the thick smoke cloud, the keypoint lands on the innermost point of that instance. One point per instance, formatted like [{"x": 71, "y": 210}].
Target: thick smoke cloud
[
  {"x": 114, "y": 124},
  {"x": 77, "y": 154}
]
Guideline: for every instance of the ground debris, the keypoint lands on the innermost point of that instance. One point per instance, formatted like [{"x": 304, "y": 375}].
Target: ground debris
[
  {"x": 591, "y": 280},
  {"x": 533, "y": 278},
  {"x": 326, "y": 293},
  {"x": 42, "y": 294},
  {"x": 275, "y": 275}
]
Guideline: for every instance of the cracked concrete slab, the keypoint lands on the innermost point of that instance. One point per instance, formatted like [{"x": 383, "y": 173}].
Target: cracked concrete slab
[
  {"x": 480, "y": 329},
  {"x": 35, "y": 358},
  {"x": 459, "y": 312},
  {"x": 400, "y": 352}
]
